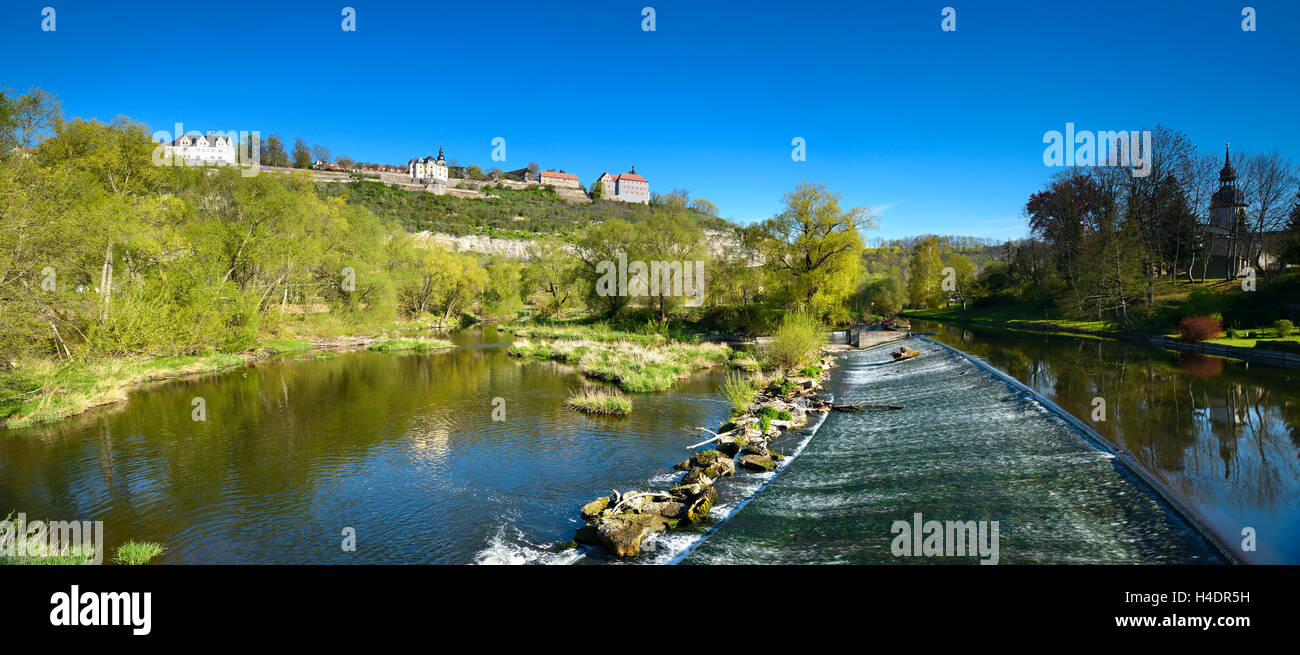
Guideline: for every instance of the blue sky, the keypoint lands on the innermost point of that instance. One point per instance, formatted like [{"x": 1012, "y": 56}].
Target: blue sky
[{"x": 941, "y": 132}]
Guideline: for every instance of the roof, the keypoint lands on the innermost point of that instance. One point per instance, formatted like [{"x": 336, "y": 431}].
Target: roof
[
  {"x": 567, "y": 176},
  {"x": 211, "y": 137},
  {"x": 631, "y": 177}
]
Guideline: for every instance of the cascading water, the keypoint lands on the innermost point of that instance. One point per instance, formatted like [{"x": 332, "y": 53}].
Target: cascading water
[{"x": 965, "y": 448}]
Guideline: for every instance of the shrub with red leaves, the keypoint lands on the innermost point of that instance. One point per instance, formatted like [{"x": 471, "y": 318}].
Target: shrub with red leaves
[{"x": 1199, "y": 328}]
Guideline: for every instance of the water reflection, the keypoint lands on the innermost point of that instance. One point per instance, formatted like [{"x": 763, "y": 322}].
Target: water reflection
[
  {"x": 1224, "y": 434},
  {"x": 401, "y": 447}
]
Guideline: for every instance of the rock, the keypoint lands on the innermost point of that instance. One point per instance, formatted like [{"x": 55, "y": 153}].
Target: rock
[
  {"x": 665, "y": 509},
  {"x": 565, "y": 545},
  {"x": 593, "y": 509},
  {"x": 699, "y": 509},
  {"x": 715, "y": 464},
  {"x": 586, "y": 535},
  {"x": 728, "y": 446},
  {"x": 622, "y": 534},
  {"x": 756, "y": 447},
  {"x": 696, "y": 475},
  {"x": 688, "y": 492},
  {"x": 757, "y": 462},
  {"x": 904, "y": 352},
  {"x": 721, "y": 468}
]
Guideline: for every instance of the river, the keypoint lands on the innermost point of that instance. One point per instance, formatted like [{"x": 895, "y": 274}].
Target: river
[
  {"x": 1223, "y": 434},
  {"x": 404, "y": 449}
]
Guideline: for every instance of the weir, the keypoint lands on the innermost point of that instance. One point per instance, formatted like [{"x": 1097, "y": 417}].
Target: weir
[{"x": 966, "y": 448}]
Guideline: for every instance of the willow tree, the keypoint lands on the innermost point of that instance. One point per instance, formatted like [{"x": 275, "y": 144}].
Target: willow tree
[{"x": 811, "y": 249}]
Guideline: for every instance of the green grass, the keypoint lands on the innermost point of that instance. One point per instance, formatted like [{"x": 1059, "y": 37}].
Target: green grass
[
  {"x": 422, "y": 344},
  {"x": 633, "y": 366},
  {"x": 739, "y": 391},
  {"x": 285, "y": 345},
  {"x": 593, "y": 332},
  {"x": 1012, "y": 314},
  {"x": 599, "y": 401},
  {"x": 43, "y": 390},
  {"x": 137, "y": 552},
  {"x": 76, "y": 556}
]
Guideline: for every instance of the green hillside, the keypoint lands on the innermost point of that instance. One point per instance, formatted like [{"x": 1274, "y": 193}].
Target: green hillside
[{"x": 506, "y": 212}]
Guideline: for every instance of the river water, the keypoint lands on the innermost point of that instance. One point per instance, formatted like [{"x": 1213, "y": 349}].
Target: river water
[
  {"x": 1223, "y": 434},
  {"x": 965, "y": 447},
  {"x": 403, "y": 448}
]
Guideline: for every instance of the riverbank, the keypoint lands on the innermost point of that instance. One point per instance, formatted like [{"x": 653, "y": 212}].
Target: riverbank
[
  {"x": 1262, "y": 350},
  {"x": 45, "y": 391}
]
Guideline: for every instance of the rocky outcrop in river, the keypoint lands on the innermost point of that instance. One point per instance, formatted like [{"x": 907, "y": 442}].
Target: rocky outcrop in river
[{"x": 622, "y": 522}]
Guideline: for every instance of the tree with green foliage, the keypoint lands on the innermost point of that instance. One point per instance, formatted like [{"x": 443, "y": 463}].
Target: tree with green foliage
[
  {"x": 811, "y": 249},
  {"x": 883, "y": 295},
  {"x": 963, "y": 275},
  {"x": 600, "y": 249},
  {"x": 273, "y": 153},
  {"x": 669, "y": 237},
  {"x": 301, "y": 153},
  {"x": 503, "y": 295},
  {"x": 925, "y": 273},
  {"x": 553, "y": 272}
]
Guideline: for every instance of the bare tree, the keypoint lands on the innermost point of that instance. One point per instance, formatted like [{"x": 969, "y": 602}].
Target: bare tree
[{"x": 1268, "y": 182}]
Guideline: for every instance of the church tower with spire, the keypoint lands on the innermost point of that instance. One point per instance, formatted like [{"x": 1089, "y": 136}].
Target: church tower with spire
[{"x": 1226, "y": 203}]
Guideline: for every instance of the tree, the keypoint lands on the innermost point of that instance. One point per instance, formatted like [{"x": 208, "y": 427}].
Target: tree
[
  {"x": 884, "y": 295},
  {"x": 964, "y": 275},
  {"x": 1269, "y": 182},
  {"x": 1292, "y": 234},
  {"x": 273, "y": 153},
  {"x": 321, "y": 154},
  {"x": 670, "y": 237},
  {"x": 812, "y": 247},
  {"x": 345, "y": 162},
  {"x": 704, "y": 207},
  {"x": 504, "y": 290},
  {"x": 923, "y": 284},
  {"x": 597, "y": 190},
  {"x": 301, "y": 153},
  {"x": 32, "y": 117},
  {"x": 600, "y": 248},
  {"x": 553, "y": 272}
]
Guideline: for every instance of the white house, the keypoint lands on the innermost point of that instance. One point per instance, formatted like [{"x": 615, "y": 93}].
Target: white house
[
  {"x": 428, "y": 169},
  {"x": 627, "y": 187},
  {"x": 201, "y": 150}
]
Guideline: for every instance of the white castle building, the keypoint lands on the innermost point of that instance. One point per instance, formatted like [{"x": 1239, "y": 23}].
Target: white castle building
[
  {"x": 201, "y": 150},
  {"x": 428, "y": 169},
  {"x": 627, "y": 187}
]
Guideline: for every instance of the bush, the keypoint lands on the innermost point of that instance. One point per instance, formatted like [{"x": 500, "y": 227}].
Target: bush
[
  {"x": 796, "y": 342},
  {"x": 1284, "y": 327},
  {"x": 738, "y": 391},
  {"x": 1199, "y": 328}
]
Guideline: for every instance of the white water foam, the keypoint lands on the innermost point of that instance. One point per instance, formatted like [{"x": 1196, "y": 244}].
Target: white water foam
[{"x": 516, "y": 549}]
